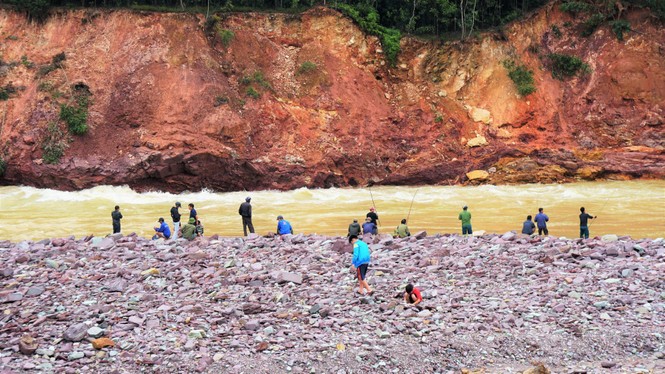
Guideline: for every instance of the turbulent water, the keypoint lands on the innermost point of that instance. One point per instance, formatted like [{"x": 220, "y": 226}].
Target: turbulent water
[{"x": 635, "y": 208}]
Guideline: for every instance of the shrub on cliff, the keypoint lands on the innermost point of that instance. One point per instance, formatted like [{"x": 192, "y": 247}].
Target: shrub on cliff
[
  {"x": 591, "y": 24},
  {"x": 7, "y": 91},
  {"x": 76, "y": 116},
  {"x": 368, "y": 20},
  {"x": 619, "y": 27},
  {"x": 306, "y": 67},
  {"x": 3, "y": 166},
  {"x": 226, "y": 36},
  {"x": 575, "y": 7},
  {"x": 564, "y": 66},
  {"x": 521, "y": 76},
  {"x": 54, "y": 144}
]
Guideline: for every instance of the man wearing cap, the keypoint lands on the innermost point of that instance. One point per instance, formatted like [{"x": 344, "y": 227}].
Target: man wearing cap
[
  {"x": 175, "y": 215},
  {"x": 245, "y": 211},
  {"x": 283, "y": 226},
  {"x": 372, "y": 214},
  {"x": 465, "y": 217},
  {"x": 163, "y": 231}
]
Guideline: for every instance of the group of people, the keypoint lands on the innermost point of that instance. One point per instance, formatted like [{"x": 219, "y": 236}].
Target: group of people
[
  {"x": 190, "y": 230},
  {"x": 194, "y": 228}
]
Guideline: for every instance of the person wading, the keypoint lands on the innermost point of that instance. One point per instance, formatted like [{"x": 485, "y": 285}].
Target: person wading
[
  {"x": 245, "y": 211},
  {"x": 116, "y": 216}
]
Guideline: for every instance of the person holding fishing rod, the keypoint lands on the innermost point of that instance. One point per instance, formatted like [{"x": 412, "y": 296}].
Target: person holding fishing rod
[
  {"x": 584, "y": 225},
  {"x": 374, "y": 218}
]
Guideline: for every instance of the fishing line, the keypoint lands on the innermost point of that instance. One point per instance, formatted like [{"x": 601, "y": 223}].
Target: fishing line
[
  {"x": 378, "y": 221},
  {"x": 412, "y": 200}
]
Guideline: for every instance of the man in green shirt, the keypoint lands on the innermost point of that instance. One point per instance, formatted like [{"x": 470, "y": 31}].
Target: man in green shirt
[
  {"x": 402, "y": 230},
  {"x": 189, "y": 230},
  {"x": 465, "y": 217}
]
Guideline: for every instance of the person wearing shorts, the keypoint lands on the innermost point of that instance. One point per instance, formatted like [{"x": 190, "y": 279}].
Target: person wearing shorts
[{"x": 361, "y": 259}]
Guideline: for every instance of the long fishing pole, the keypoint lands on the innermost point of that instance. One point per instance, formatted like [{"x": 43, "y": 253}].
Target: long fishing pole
[
  {"x": 601, "y": 209},
  {"x": 378, "y": 221},
  {"x": 412, "y": 200}
]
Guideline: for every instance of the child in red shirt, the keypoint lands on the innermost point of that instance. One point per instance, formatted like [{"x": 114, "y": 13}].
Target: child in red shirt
[{"x": 412, "y": 295}]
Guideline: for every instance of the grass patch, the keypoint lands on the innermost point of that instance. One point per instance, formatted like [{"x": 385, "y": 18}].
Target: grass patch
[
  {"x": 221, "y": 100},
  {"x": 575, "y": 7},
  {"x": 27, "y": 63},
  {"x": 226, "y": 36},
  {"x": 306, "y": 67},
  {"x": 254, "y": 94},
  {"x": 565, "y": 66},
  {"x": 521, "y": 76},
  {"x": 619, "y": 27},
  {"x": 54, "y": 144},
  {"x": 3, "y": 166},
  {"x": 7, "y": 91},
  {"x": 56, "y": 63}
]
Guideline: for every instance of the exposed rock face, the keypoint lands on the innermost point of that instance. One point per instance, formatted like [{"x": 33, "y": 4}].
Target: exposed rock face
[{"x": 170, "y": 107}]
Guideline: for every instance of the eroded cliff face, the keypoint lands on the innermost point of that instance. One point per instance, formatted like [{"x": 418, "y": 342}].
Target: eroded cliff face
[{"x": 171, "y": 104}]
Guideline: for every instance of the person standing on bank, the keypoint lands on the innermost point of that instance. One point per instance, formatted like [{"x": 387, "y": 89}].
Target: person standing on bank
[
  {"x": 541, "y": 222},
  {"x": 584, "y": 223},
  {"x": 375, "y": 217},
  {"x": 175, "y": 216},
  {"x": 465, "y": 217},
  {"x": 245, "y": 211},
  {"x": 116, "y": 216},
  {"x": 192, "y": 212}
]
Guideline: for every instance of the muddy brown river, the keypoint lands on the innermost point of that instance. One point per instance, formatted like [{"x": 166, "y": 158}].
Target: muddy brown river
[{"x": 635, "y": 208}]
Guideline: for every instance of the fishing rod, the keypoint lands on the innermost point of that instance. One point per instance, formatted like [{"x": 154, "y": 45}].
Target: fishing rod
[
  {"x": 378, "y": 221},
  {"x": 412, "y": 200},
  {"x": 601, "y": 209}
]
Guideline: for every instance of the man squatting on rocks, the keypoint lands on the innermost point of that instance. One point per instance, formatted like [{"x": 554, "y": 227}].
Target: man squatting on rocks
[
  {"x": 175, "y": 216},
  {"x": 245, "y": 211},
  {"x": 369, "y": 227},
  {"x": 116, "y": 216},
  {"x": 354, "y": 228},
  {"x": 163, "y": 230},
  {"x": 528, "y": 227},
  {"x": 360, "y": 261},
  {"x": 283, "y": 226},
  {"x": 402, "y": 231}
]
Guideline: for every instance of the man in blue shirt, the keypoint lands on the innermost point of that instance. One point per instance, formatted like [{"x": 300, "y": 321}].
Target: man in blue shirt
[
  {"x": 528, "y": 227},
  {"x": 361, "y": 258},
  {"x": 163, "y": 231},
  {"x": 283, "y": 226},
  {"x": 541, "y": 222}
]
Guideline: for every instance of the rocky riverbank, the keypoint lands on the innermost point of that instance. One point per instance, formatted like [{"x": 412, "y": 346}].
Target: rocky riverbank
[{"x": 496, "y": 303}]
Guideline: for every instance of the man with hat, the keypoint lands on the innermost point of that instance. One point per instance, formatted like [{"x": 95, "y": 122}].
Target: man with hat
[
  {"x": 465, "y": 217},
  {"x": 245, "y": 211},
  {"x": 375, "y": 217},
  {"x": 283, "y": 226},
  {"x": 163, "y": 230},
  {"x": 175, "y": 215}
]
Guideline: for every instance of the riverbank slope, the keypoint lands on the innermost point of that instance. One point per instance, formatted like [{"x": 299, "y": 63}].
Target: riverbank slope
[{"x": 265, "y": 305}]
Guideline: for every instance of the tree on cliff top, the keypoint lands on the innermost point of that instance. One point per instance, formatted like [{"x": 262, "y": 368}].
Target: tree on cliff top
[{"x": 36, "y": 10}]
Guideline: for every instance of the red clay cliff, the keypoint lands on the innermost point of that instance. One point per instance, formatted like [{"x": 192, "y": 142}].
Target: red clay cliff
[{"x": 308, "y": 100}]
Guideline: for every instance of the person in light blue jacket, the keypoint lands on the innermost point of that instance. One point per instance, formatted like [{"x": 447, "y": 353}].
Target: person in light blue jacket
[{"x": 361, "y": 259}]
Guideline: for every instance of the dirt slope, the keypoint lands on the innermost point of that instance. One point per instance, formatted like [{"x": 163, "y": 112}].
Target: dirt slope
[{"x": 171, "y": 110}]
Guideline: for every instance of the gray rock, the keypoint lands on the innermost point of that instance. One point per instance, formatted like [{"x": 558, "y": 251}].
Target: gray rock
[
  {"x": 601, "y": 304},
  {"x": 76, "y": 332},
  {"x": 252, "y": 325},
  {"x": 314, "y": 309},
  {"x": 35, "y": 291},
  {"x": 75, "y": 355},
  {"x": 421, "y": 235},
  {"x": 627, "y": 273},
  {"x": 284, "y": 277},
  {"x": 95, "y": 332}
]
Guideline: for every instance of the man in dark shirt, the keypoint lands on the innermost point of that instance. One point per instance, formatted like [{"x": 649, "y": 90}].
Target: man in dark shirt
[
  {"x": 116, "y": 216},
  {"x": 541, "y": 222},
  {"x": 354, "y": 228},
  {"x": 528, "y": 227},
  {"x": 175, "y": 215},
  {"x": 245, "y": 211},
  {"x": 375, "y": 217},
  {"x": 584, "y": 225},
  {"x": 192, "y": 212}
]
